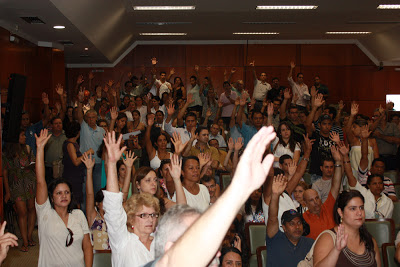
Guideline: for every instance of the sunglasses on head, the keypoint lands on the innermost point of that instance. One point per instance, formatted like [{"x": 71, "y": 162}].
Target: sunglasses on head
[{"x": 70, "y": 238}]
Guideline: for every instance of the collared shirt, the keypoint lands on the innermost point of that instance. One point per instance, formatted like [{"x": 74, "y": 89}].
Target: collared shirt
[
  {"x": 386, "y": 148},
  {"x": 284, "y": 252},
  {"x": 227, "y": 110},
  {"x": 261, "y": 89},
  {"x": 195, "y": 151},
  {"x": 381, "y": 208},
  {"x": 300, "y": 90},
  {"x": 91, "y": 138},
  {"x": 322, "y": 222},
  {"x": 183, "y": 132},
  {"x": 388, "y": 186},
  {"x": 53, "y": 149},
  {"x": 247, "y": 131},
  {"x": 219, "y": 138}
]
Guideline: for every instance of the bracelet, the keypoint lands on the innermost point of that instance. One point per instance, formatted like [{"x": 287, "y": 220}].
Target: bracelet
[
  {"x": 338, "y": 165},
  {"x": 306, "y": 159}
]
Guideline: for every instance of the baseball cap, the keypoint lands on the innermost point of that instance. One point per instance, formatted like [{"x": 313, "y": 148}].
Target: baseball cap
[
  {"x": 289, "y": 215},
  {"x": 324, "y": 117}
]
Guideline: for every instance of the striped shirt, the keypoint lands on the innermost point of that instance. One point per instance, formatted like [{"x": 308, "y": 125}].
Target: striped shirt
[{"x": 388, "y": 186}]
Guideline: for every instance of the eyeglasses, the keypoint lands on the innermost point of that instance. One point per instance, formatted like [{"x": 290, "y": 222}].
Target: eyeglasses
[
  {"x": 71, "y": 238},
  {"x": 146, "y": 215}
]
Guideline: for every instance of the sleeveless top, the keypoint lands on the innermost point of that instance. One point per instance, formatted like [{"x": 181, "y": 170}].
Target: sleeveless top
[
  {"x": 99, "y": 233},
  {"x": 156, "y": 161},
  {"x": 75, "y": 173}
]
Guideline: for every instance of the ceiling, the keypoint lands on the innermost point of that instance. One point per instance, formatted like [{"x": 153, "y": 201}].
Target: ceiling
[{"x": 110, "y": 28}]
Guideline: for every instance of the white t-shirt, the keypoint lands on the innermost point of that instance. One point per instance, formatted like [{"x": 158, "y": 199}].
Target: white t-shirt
[
  {"x": 285, "y": 203},
  {"x": 127, "y": 250},
  {"x": 53, "y": 235},
  {"x": 164, "y": 87},
  {"x": 323, "y": 187},
  {"x": 282, "y": 150},
  {"x": 143, "y": 113},
  {"x": 201, "y": 201}
]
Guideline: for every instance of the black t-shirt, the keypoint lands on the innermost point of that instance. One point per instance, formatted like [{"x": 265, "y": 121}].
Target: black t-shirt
[
  {"x": 321, "y": 149},
  {"x": 275, "y": 92}
]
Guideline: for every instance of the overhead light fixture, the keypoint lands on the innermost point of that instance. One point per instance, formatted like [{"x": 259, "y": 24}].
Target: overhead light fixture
[
  {"x": 163, "y": 23},
  {"x": 154, "y": 8},
  {"x": 255, "y": 33},
  {"x": 388, "y": 7},
  {"x": 347, "y": 32},
  {"x": 86, "y": 49},
  {"x": 268, "y": 22},
  {"x": 163, "y": 33},
  {"x": 59, "y": 27},
  {"x": 285, "y": 7}
]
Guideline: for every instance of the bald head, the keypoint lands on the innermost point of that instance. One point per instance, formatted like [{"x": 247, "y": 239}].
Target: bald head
[{"x": 313, "y": 201}]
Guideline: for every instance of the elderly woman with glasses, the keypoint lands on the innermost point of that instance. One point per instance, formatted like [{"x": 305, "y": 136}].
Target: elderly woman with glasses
[
  {"x": 132, "y": 245},
  {"x": 63, "y": 231}
]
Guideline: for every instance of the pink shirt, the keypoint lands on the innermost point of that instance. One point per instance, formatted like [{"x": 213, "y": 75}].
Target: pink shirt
[{"x": 227, "y": 110}]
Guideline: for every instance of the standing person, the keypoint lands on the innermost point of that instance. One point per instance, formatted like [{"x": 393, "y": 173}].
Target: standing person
[
  {"x": 322, "y": 88},
  {"x": 349, "y": 243},
  {"x": 261, "y": 87},
  {"x": 227, "y": 98},
  {"x": 178, "y": 89},
  {"x": 196, "y": 105},
  {"x": 91, "y": 137},
  {"x": 63, "y": 231},
  {"x": 72, "y": 160},
  {"x": 162, "y": 84},
  {"x": 291, "y": 116},
  {"x": 299, "y": 88},
  {"x": 276, "y": 90},
  {"x": 19, "y": 186}
]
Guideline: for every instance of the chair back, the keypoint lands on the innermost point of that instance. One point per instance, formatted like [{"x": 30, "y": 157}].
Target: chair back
[
  {"x": 381, "y": 229},
  {"x": 102, "y": 258},
  {"x": 262, "y": 256},
  {"x": 396, "y": 216},
  {"x": 397, "y": 189},
  {"x": 225, "y": 180},
  {"x": 392, "y": 175},
  {"x": 388, "y": 253},
  {"x": 255, "y": 234}
]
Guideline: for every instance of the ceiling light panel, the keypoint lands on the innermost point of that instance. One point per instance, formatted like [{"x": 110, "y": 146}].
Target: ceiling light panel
[
  {"x": 285, "y": 7},
  {"x": 163, "y": 33},
  {"x": 163, "y": 23},
  {"x": 347, "y": 32},
  {"x": 268, "y": 22},
  {"x": 59, "y": 27},
  {"x": 255, "y": 33},
  {"x": 388, "y": 7},
  {"x": 164, "y": 8}
]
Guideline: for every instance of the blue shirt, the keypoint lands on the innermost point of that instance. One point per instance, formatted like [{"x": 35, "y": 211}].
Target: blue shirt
[
  {"x": 91, "y": 139},
  {"x": 247, "y": 132},
  {"x": 284, "y": 253},
  {"x": 30, "y": 135}
]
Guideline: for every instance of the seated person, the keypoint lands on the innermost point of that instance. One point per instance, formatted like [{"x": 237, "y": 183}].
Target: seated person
[
  {"x": 230, "y": 256},
  {"x": 377, "y": 204},
  {"x": 252, "y": 209},
  {"x": 397, "y": 243},
  {"x": 323, "y": 185},
  {"x": 290, "y": 246},
  {"x": 212, "y": 186},
  {"x": 320, "y": 216}
]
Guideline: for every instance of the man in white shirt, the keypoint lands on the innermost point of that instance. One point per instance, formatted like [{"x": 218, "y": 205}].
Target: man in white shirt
[
  {"x": 261, "y": 87},
  {"x": 214, "y": 134},
  {"x": 162, "y": 85},
  {"x": 299, "y": 88},
  {"x": 228, "y": 99}
]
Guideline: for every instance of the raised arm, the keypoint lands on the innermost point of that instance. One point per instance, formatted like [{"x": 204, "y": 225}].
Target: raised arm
[
  {"x": 318, "y": 102},
  {"x": 41, "y": 186},
  {"x": 79, "y": 112},
  {"x": 177, "y": 142},
  {"x": 196, "y": 71},
  {"x": 151, "y": 151},
  {"x": 46, "y": 114},
  {"x": 292, "y": 66},
  {"x": 252, "y": 64},
  {"x": 344, "y": 151},
  {"x": 239, "y": 119},
  {"x": 114, "y": 116},
  {"x": 349, "y": 133},
  {"x": 337, "y": 176},
  {"x": 286, "y": 97},
  {"x": 365, "y": 133},
  {"x": 233, "y": 70},
  {"x": 130, "y": 169},
  {"x": 114, "y": 153},
  {"x": 193, "y": 136},
  {"x": 91, "y": 213},
  {"x": 327, "y": 251},
  {"x": 278, "y": 186},
  {"x": 238, "y": 146},
  {"x": 200, "y": 241},
  {"x": 175, "y": 171},
  {"x": 189, "y": 101},
  {"x": 60, "y": 92}
]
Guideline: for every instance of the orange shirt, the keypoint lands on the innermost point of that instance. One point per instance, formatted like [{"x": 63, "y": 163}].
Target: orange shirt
[{"x": 324, "y": 221}]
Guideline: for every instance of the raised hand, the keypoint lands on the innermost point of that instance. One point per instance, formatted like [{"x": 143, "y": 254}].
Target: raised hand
[
  {"x": 238, "y": 143},
  {"x": 42, "y": 139},
  {"x": 114, "y": 113},
  {"x": 334, "y": 136},
  {"x": 314, "y": 91},
  {"x": 252, "y": 64},
  {"x": 154, "y": 61},
  {"x": 270, "y": 110},
  {"x": 208, "y": 113},
  {"x": 177, "y": 142},
  {"x": 365, "y": 132},
  {"x": 237, "y": 101},
  {"x": 287, "y": 94},
  {"x": 279, "y": 184},
  {"x": 196, "y": 68},
  {"x": 172, "y": 71},
  {"x": 292, "y": 65},
  {"x": 110, "y": 83},
  {"x": 59, "y": 89},
  {"x": 335, "y": 153},
  {"x": 341, "y": 238},
  {"x": 114, "y": 150},
  {"x": 233, "y": 70},
  {"x": 130, "y": 75},
  {"x": 80, "y": 79},
  {"x": 7, "y": 240},
  {"x": 129, "y": 159},
  {"x": 341, "y": 105},
  {"x": 98, "y": 92},
  {"x": 208, "y": 68},
  {"x": 170, "y": 110},
  {"x": 204, "y": 158},
  {"x": 113, "y": 92},
  {"x": 88, "y": 160},
  {"x": 58, "y": 107},
  {"x": 292, "y": 167},
  {"x": 308, "y": 144},
  {"x": 253, "y": 101},
  {"x": 92, "y": 102},
  {"x": 354, "y": 108},
  {"x": 189, "y": 98},
  {"x": 150, "y": 119},
  {"x": 343, "y": 149},
  {"x": 319, "y": 100},
  {"x": 81, "y": 95},
  {"x": 176, "y": 167},
  {"x": 91, "y": 75},
  {"x": 231, "y": 144},
  {"x": 45, "y": 98}
]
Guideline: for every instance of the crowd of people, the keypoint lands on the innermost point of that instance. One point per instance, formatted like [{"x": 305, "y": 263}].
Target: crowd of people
[{"x": 134, "y": 167}]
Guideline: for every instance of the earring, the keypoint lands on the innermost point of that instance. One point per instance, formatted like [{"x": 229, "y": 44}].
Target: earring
[
  {"x": 341, "y": 220},
  {"x": 132, "y": 227}
]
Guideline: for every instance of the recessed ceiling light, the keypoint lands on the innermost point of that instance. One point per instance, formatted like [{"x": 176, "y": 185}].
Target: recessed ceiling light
[
  {"x": 161, "y": 23},
  {"x": 162, "y": 33},
  {"x": 258, "y": 33},
  {"x": 388, "y": 7},
  {"x": 153, "y": 8},
  {"x": 59, "y": 27},
  {"x": 269, "y": 22},
  {"x": 285, "y": 7},
  {"x": 86, "y": 49},
  {"x": 347, "y": 32}
]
